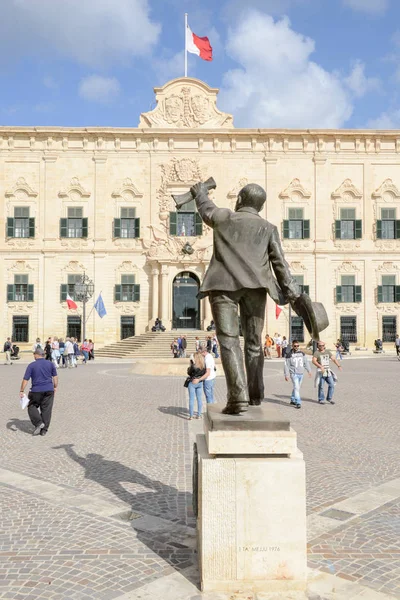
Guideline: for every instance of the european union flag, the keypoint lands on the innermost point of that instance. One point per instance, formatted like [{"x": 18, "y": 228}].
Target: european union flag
[{"x": 99, "y": 306}]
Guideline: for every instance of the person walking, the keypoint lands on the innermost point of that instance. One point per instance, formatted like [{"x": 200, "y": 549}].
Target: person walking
[
  {"x": 63, "y": 357},
  {"x": 184, "y": 346},
  {"x": 85, "y": 350},
  {"x": 76, "y": 352},
  {"x": 55, "y": 352},
  {"x": 278, "y": 344},
  {"x": 267, "y": 346},
  {"x": 215, "y": 347},
  {"x": 197, "y": 343},
  {"x": 37, "y": 344},
  {"x": 69, "y": 352},
  {"x": 339, "y": 349},
  {"x": 44, "y": 382},
  {"x": 179, "y": 342},
  {"x": 208, "y": 378},
  {"x": 91, "y": 349},
  {"x": 7, "y": 350},
  {"x": 47, "y": 349},
  {"x": 195, "y": 371},
  {"x": 284, "y": 346},
  {"x": 321, "y": 359},
  {"x": 295, "y": 364},
  {"x": 397, "y": 345}
]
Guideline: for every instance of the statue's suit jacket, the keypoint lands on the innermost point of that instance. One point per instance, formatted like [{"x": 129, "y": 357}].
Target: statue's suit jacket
[{"x": 247, "y": 249}]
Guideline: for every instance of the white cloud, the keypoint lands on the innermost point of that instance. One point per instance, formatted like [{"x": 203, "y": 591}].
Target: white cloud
[
  {"x": 50, "y": 83},
  {"x": 96, "y": 33},
  {"x": 358, "y": 83},
  {"x": 95, "y": 88},
  {"x": 368, "y": 6},
  {"x": 277, "y": 85},
  {"x": 387, "y": 120}
]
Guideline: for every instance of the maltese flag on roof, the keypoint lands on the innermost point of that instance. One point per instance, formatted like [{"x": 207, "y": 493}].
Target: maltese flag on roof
[{"x": 198, "y": 45}]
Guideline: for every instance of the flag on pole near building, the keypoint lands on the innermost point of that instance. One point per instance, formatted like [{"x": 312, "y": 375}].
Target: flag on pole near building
[
  {"x": 278, "y": 311},
  {"x": 198, "y": 45},
  {"x": 99, "y": 306},
  {"x": 71, "y": 304}
]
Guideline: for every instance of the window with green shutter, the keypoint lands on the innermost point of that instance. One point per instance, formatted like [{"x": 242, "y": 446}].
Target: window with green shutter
[
  {"x": 136, "y": 293},
  {"x": 117, "y": 228},
  {"x": 173, "y": 223},
  {"x": 31, "y": 227},
  {"x": 30, "y": 293},
  {"x": 388, "y": 289},
  {"x": 348, "y": 227},
  {"x": 10, "y": 292},
  {"x": 338, "y": 293},
  {"x": 295, "y": 227},
  {"x": 63, "y": 292},
  {"x": 357, "y": 293},
  {"x": 117, "y": 293},
  {"x": 63, "y": 228},
  {"x": 199, "y": 224},
  {"x": 137, "y": 228},
  {"x": 21, "y": 222},
  {"x": 84, "y": 227},
  {"x": 10, "y": 227},
  {"x": 386, "y": 227},
  {"x": 21, "y": 288}
]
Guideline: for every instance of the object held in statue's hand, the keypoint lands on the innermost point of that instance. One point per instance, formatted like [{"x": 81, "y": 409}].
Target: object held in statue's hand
[{"x": 182, "y": 199}]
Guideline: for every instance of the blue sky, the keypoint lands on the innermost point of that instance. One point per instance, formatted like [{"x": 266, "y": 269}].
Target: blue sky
[{"x": 278, "y": 63}]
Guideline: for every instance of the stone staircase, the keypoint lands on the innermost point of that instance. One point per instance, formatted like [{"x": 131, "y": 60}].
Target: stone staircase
[{"x": 150, "y": 345}]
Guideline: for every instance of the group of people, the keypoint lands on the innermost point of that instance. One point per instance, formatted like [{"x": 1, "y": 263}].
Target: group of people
[
  {"x": 280, "y": 343},
  {"x": 201, "y": 378},
  {"x": 296, "y": 363},
  {"x": 65, "y": 353},
  {"x": 179, "y": 346}
]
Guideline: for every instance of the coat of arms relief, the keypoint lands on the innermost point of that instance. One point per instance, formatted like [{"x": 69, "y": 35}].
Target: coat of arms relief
[{"x": 186, "y": 102}]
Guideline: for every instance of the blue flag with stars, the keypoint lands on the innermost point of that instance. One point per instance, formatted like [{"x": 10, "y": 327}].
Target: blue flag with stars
[{"x": 99, "y": 306}]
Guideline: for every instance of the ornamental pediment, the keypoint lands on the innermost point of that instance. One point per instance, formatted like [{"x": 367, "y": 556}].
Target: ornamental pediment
[
  {"x": 186, "y": 102},
  {"x": 386, "y": 188},
  {"x": 347, "y": 191},
  {"x": 75, "y": 191},
  {"x": 21, "y": 189},
  {"x": 295, "y": 191}
]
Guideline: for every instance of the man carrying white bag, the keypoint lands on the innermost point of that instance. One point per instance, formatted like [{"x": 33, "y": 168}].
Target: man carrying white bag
[{"x": 43, "y": 376}]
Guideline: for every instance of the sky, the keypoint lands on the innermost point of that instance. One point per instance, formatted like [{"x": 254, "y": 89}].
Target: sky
[{"x": 277, "y": 63}]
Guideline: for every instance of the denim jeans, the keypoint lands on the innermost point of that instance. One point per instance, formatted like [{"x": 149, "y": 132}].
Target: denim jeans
[
  {"x": 195, "y": 390},
  {"x": 297, "y": 381},
  {"x": 209, "y": 390},
  {"x": 85, "y": 355},
  {"x": 331, "y": 387}
]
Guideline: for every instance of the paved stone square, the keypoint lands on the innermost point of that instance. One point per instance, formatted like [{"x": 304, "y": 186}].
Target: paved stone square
[{"x": 100, "y": 508}]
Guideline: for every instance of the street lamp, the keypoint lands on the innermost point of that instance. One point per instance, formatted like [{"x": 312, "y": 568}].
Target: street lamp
[{"x": 84, "y": 290}]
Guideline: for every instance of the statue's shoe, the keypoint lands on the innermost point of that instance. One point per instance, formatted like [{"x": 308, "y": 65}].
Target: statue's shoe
[
  {"x": 235, "y": 409},
  {"x": 255, "y": 403}
]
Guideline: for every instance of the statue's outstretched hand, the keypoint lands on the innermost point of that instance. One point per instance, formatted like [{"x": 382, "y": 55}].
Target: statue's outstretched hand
[{"x": 198, "y": 188}]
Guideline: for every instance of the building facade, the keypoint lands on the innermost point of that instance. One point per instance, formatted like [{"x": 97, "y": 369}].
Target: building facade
[{"x": 98, "y": 201}]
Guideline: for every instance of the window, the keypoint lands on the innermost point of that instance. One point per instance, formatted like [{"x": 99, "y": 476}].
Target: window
[
  {"x": 127, "y": 291},
  {"x": 21, "y": 225},
  {"x": 297, "y": 329},
  {"x": 127, "y": 327},
  {"x": 75, "y": 226},
  {"x": 388, "y": 228},
  {"x": 128, "y": 226},
  {"x": 299, "y": 279},
  {"x": 388, "y": 291},
  {"x": 389, "y": 329},
  {"x": 74, "y": 327},
  {"x": 20, "y": 290},
  {"x": 348, "y": 227},
  {"x": 185, "y": 221},
  {"x": 348, "y": 329},
  {"x": 348, "y": 291},
  {"x": 296, "y": 228},
  {"x": 69, "y": 288},
  {"x": 20, "y": 329}
]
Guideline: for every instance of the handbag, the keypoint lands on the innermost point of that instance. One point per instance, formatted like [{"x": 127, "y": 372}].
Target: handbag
[{"x": 187, "y": 381}]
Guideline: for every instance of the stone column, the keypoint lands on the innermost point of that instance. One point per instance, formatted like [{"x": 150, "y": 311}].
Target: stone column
[
  {"x": 164, "y": 294},
  {"x": 154, "y": 293}
]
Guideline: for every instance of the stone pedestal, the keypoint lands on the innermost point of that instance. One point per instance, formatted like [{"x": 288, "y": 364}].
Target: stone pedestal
[{"x": 249, "y": 491}]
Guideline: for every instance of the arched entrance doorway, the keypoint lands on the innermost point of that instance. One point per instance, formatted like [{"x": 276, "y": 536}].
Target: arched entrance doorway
[{"x": 185, "y": 305}]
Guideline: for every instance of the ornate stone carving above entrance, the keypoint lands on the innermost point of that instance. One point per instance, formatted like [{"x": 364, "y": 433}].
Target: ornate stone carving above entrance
[
  {"x": 161, "y": 246},
  {"x": 177, "y": 172},
  {"x": 186, "y": 102},
  {"x": 347, "y": 267}
]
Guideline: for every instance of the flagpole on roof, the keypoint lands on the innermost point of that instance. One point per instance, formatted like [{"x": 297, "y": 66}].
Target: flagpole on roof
[{"x": 186, "y": 21}]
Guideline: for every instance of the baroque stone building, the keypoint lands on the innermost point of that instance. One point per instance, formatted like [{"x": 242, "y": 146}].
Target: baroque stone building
[{"x": 98, "y": 200}]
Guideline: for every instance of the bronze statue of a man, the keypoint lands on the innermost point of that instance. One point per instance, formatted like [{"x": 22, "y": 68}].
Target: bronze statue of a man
[{"x": 247, "y": 251}]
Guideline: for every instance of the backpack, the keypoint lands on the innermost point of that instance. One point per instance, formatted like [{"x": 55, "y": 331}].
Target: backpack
[{"x": 7, "y": 346}]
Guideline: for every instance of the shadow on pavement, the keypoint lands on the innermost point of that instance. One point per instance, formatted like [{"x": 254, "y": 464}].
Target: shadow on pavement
[
  {"x": 177, "y": 411},
  {"x": 163, "y": 501},
  {"x": 287, "y": 398},
  {"x": 25, "y": 426}
]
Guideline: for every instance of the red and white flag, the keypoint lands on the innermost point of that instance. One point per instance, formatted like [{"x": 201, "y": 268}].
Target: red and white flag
[
  {"x": 198, "y": 45},
  {"x": 278, "y": 311},
  {"x": 70, "y": 302}
]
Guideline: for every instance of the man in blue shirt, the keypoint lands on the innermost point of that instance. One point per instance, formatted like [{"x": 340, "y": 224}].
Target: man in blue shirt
[{"x": 43, "y": 375}]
